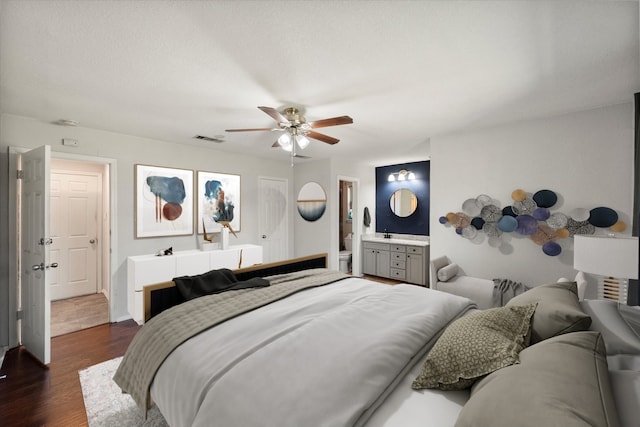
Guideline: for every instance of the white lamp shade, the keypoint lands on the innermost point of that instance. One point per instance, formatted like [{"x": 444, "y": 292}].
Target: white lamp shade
[
  {"x": 606, "y": 256},
  {"x": 302, "y": 141},
  {"x": 285, "y": 142}
]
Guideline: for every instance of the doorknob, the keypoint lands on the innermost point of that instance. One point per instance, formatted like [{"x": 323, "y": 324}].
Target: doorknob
[
  {"x": 41, "y": 266},
  {"x": 264, "y": 236},
  {"x": 92, "y": 241}
]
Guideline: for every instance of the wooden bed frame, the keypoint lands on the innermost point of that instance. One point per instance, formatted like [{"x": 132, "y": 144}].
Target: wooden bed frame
[{"x": 161, "y": 296}]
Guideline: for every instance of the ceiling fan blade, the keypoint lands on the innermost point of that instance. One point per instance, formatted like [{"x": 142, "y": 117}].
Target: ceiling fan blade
[
  {"x": 300, "y": 156},
  {"x": 334, "y": 121},
  {"x": 275, "y": 115},
  {"x": 322, "y": 137},
  {"x": 248, "y": 130}
]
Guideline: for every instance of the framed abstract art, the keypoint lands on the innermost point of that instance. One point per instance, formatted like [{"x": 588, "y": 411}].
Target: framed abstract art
[
  {"x": 218, "y": 201},
  {"x": 163, "y": 201}
]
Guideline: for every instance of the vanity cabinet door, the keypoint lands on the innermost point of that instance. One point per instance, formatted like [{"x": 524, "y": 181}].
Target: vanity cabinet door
[
  {"x": 415, "y": 269},
  {"x": 383, "y": 259},
  {"x": 369, "y": 261},
  {"x": 418, "y": 265},
  {"x": 377, "y": 259}
]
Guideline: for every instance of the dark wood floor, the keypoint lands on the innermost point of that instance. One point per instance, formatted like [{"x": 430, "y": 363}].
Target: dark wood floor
[{"x": 33, "y": 395}]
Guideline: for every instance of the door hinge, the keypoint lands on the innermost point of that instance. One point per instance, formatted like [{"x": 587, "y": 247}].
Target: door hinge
[
  {"x": 19, "y": 314},
  {"x": 19, "y": 174}
]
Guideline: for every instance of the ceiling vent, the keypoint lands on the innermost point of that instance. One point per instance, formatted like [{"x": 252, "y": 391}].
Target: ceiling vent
[{"x": 217, "y": 138}]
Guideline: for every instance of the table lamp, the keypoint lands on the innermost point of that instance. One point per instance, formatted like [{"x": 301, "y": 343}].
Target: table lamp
[{"x": 613, "y": 258}]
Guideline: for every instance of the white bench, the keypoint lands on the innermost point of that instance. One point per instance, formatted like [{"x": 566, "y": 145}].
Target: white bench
[{"x": 478, "y": 290}]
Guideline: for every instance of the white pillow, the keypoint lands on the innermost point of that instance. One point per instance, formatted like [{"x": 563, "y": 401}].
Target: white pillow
[
  {"x": 580, "y": 280},
  {"x": 447, "y": 272}
]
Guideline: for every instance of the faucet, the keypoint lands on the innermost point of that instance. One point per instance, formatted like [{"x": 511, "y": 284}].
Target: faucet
[{"x": 386, "y": 234}]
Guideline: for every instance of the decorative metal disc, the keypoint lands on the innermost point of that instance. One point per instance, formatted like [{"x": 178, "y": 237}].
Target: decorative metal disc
[
  {"x": 552, "y": 249},
  {"x": 541, "y": 214},
  {"x": 477, "y": 222},
  {"x": 580, "y": 227},
  {"x": 579, "y": 214},
  {"x": 470, "y": 207},
  {"x": 545, "y": 198},
  {"x": 491, "y": 229},
  {"x": 491, "y": 213},
  {"x": 469, "y": 232},
  {"x": 557, "y": 220},
  {"x": 462, "y": 220},
  {"x": 544, "y": 234},
  {"x": 483, "y": 200},
  {"x": 603, "y": 217},
  {"x": 524, "y": 207},
  {"x": 527, "y": 225}
]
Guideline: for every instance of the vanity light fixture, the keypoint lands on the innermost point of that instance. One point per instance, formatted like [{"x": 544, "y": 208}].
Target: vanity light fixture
[{"x": 402, "y": 175}]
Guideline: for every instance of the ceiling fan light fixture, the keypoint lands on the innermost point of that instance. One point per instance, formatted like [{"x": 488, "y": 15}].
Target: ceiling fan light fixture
[
  {"x": 302, "y": 141},
  {"x": 285, "y": 142}
]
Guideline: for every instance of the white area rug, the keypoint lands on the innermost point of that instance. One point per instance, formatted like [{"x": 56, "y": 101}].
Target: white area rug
[{"x": 106, "y": 405}]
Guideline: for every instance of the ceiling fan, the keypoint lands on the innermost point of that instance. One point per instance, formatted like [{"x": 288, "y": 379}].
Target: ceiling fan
[{"x": 296, "y": 130}]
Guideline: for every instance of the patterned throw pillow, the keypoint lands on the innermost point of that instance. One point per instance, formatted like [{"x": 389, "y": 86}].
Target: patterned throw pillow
[{"x": 476, "y": 345}]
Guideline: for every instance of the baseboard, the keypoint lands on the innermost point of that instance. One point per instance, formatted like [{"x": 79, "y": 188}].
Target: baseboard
[
  {"x": 123, "y": 318},
  {"x": 3, "y": 350}
]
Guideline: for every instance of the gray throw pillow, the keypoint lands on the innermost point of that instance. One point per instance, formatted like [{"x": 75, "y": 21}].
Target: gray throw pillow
[
  {"x": 562, "y": 381},
  {"x": 558, "y": 310},
  {"x": 474, "y": 346}
]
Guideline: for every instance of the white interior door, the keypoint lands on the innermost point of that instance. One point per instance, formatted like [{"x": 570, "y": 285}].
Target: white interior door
[
  {"x": 273, "y": 219},
  {"x": 74, "y": 231},
  {"x": 35, "y": 243}
]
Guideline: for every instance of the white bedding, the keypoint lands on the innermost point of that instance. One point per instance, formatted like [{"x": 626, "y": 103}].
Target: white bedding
[{"x": 322, "y": 357}]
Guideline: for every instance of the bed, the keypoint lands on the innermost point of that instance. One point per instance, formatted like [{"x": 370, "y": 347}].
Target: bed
[
  {"x": 315, "y": 347},
  {"x": 349, "y": 348}
]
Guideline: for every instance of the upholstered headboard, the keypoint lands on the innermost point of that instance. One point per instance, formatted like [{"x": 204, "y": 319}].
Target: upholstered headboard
[{"x": 161, "y": 296}]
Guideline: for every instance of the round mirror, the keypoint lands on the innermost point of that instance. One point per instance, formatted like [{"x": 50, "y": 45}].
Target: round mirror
[
  {"x": 403, "y": 202},
  {"x": 312, "y": 201}
]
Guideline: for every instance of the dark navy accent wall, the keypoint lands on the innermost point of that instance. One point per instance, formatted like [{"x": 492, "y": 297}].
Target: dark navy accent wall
[{"x": 416, "y": 223}]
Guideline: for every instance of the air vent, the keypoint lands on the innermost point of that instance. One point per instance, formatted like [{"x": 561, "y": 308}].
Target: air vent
[{"x": 217, "y": 138}]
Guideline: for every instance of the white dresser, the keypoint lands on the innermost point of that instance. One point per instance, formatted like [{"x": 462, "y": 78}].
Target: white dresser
[{"x": 149, "y": 269}]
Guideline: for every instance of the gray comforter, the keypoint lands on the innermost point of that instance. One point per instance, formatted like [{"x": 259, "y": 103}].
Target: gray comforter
[{"x": 323, "y": 357}]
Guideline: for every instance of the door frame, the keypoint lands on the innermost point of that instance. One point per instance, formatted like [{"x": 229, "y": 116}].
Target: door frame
[
  {"x": 356, "y": 269},
  {"x": 109, "y": 234},
  {"x": 60, "y": 167}
]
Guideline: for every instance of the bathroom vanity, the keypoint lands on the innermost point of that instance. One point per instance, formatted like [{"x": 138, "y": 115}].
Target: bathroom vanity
[{"x": 400, "y": 259}]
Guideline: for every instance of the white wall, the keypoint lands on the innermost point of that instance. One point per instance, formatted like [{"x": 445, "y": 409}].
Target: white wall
[
  {"x": 129, "y": 150},
  {"x": 585, "y": 157},
  {"x": 322, "y": 235}
]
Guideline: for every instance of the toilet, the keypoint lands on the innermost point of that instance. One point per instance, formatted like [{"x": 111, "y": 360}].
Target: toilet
[{"x": 345, "y": 256}]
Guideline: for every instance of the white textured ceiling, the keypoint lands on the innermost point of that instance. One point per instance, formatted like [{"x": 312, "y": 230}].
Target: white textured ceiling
[{"x": 404, "y": 70}]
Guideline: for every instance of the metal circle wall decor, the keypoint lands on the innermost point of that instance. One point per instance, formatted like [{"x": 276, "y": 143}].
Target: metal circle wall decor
[
  {"x": 529, "y": 216},
  {"x": 312, "y": 201}
]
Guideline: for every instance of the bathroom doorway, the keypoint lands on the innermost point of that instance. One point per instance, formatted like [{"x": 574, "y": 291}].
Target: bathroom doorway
[{"x": 345, "y": 228}]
